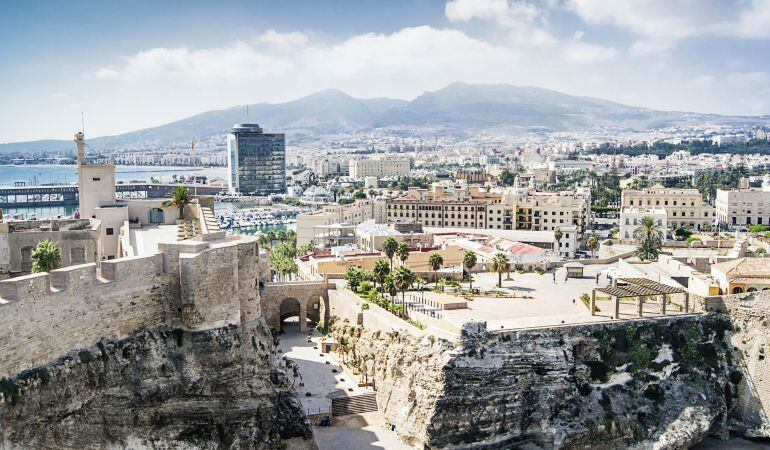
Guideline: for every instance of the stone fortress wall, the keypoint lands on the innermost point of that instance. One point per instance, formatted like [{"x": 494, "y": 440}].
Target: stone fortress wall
[
  {"x": 666, "y": 381},
  {"x": 191, "y": 285}
]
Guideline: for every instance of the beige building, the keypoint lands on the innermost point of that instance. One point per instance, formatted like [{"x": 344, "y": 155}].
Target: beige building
[
  {"x": 353, "y": 214},
  {"x": 742, "y": 275},
  {"x": 738, "y": 208},
  {"x": 684, "y": 207},
  {"x": 443, "y": 205},
  {"x": 335, "y": 266},
  {"x": 379, "y": 167},
  {"x": 450, "y": 206}
]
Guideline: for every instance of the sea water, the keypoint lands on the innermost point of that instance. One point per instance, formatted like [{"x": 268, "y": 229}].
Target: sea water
[{"x": 38, "y": 175}]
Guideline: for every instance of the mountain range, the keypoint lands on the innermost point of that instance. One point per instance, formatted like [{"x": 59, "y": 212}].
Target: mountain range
[{"x": 456, "y": 109}]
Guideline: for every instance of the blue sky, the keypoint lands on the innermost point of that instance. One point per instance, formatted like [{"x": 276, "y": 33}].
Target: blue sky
[{"x": 130, "y": 65}]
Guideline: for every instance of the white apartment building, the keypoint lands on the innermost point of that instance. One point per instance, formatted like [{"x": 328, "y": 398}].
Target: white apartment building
[
  {"x": 684, "y": 207},
  {"x": 739, "y": 208},
  {"x": 353, "y": 214},
  {"x": 379, "y": 167},
  {"x": 631, "y": 220}
]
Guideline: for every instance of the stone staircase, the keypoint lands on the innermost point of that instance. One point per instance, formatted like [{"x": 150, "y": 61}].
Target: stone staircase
[
  {"x": 187, "y": 229},
  {"x": 354, "y": 404},
  {"x": 209, "y": 219}
]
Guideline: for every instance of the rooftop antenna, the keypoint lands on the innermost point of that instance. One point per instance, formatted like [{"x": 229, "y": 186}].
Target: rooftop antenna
[
  {"x": 247, "y": 113},
  {"x": 192, "y": 147},
  {"x": 82, "y": 123}
]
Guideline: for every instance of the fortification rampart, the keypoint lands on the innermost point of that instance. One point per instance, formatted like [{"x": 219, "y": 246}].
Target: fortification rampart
[{"x": 195, "y": 286}]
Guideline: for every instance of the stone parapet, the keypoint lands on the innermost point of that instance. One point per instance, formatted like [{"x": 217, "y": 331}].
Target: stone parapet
[{"x": 195, "y": 285}]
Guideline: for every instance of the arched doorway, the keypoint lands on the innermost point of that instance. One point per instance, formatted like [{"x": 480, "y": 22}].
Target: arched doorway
[
  {"x": 290, "y": 314},
  {"x": 737, "y": 290},
  {"x": 751, "y": 289},
  {"x": 157, "y": 216}
]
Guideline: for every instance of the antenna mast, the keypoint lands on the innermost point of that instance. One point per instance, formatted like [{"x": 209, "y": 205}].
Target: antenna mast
[{"x": 82, "y": 123}]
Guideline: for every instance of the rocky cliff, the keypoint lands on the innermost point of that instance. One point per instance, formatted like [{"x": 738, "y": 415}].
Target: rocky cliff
[
  {"x": 158, "y": 388},
  {"x": 655, "y": 383}
]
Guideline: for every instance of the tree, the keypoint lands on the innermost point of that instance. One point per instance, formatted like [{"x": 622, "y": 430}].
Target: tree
[
  {"x": 281, "y": 235},
  {"x": 557, "y": 234},
  {"x": 760, "y": 251},
  {"x": 435, "y": 261},
  {"x": 179, "y": 198},
  {"x": 264, "y": 242},
  {"x": 507, "y": 178},
  {"x": 682, "y": 233},
  {"x": 403, "y": 279},
  {"x": 389, "y": 247},
  {"x": 649, "y": 239},
  {"x": 359, "y": 195},
  {"x": 592, "y": 243},
  {"x": 305, "y": 249},
  {"x": 402, "y": 252},
  {"x": 390, "y": 286},
  {"x": 469, "y": 261},
  {"x": 381, "y": 271},
  {"x": 45, "y": 257},
  {"x": 500, "y": 265},
  {"x": 354, "y": 277},
  {"x": 345, "y": 201}
]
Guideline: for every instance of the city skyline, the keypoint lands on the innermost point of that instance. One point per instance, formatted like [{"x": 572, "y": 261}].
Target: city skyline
[{"x": 137, "y": 66}]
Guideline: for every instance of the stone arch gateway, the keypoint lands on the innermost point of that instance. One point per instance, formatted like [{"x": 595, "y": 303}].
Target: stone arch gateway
[{"x": 303, "y": 299}]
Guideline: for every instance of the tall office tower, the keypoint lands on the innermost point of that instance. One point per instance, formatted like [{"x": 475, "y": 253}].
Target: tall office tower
[{"x": 256, "y": 161}]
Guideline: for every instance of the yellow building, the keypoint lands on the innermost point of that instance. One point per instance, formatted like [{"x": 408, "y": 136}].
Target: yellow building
[
  {"x": 684, "y": 207},
  {"x": 742, "y": 275}
]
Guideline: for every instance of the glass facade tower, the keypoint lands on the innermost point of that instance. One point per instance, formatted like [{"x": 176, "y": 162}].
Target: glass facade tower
[{"x": 256, "y": 161}]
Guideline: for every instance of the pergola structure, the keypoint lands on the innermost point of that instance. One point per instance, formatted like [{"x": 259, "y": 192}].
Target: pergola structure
[{"x": 638, "y": 288}]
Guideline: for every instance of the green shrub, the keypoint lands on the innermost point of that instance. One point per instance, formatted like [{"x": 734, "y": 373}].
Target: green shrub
[{"x": 364, "y": 306}]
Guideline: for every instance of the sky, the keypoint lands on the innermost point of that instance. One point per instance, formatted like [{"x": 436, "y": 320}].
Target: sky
[{"x": 138, "y": 64}]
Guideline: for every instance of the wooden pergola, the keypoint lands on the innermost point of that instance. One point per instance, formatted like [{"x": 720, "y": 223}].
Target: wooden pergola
[{"x": 638, "y": 288}]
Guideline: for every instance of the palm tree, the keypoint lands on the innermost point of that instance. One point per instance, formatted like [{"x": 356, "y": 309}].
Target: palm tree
[
  {"x": 420, "y": 282},
  {"x": 390, "y": 286},
  {"x": 402, "y": 251},
  {"x": 389, "y": 247},
  {"x": 557, "y": 234},
  {"x": 381, "y": 271},
  {"x": 435, "y": 261},
  {"x": 179, "y": 198},
  {"x": 501, "y": 265},
  {"x": 403, "y": 279},
  {"x": 281, "y": 235},
  {"x": 270, "y": 237},
  {"x": 649, "y": 239},
  {"x": 264, "y": 242},
  {"x": 45, "y": 257},
  {"x": 469, "y": 261},
  {"x": 592, "y": 243}
]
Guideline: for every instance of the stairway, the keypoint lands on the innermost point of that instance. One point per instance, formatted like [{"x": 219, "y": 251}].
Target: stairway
[
  {"x": 187, "y": 230},
  {"x": 354, "y": 404},
  {"x": 209, "y": 219}
]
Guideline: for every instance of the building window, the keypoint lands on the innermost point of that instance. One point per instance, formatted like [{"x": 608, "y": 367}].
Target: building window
[
  {"x": 109, "y": 231},
  {"x": 97, "y": 179}
]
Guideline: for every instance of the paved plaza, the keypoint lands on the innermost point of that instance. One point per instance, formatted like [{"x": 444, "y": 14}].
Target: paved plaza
[
  {"x": 360, "y": 431},
  {"x": 540, "y": 300}
]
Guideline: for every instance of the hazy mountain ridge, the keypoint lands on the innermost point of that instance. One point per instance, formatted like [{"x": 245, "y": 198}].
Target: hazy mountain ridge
[{"x": 459, "y": 107}]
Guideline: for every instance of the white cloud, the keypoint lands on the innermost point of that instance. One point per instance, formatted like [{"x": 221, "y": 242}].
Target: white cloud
[
  {"x": 503, "y": 12},
  {"x": 703, "y": 80},
  {"x": 661, "y": 24},
  {"x": 583, "y": 52},
  {"x": 106, "y": 72},
  {"x": 746, "y": 79}
]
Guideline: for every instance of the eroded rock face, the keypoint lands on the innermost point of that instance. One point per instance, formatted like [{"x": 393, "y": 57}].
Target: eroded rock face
[
  {"x": 159, "y": 388},
  {"x": 662, "y": 383}
]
